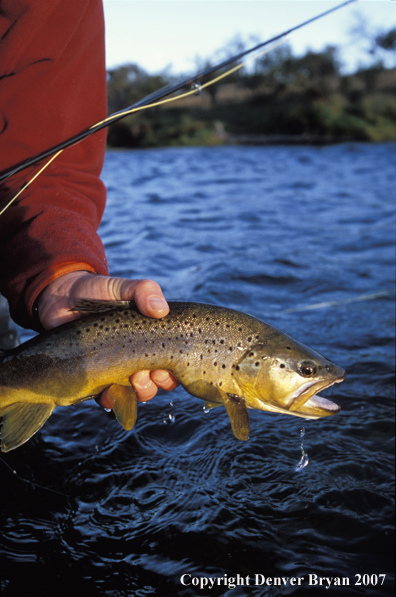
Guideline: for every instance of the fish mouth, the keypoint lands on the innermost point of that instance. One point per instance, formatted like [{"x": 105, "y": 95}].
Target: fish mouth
[{"x": 309, "y": 404}]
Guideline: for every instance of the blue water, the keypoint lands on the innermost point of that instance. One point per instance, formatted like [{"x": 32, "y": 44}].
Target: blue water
[{"x": 302, "y": 237}]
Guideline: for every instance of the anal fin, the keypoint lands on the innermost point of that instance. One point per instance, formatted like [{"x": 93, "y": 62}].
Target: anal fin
[
  {"x": 239, "y": 417},
  {"x": 21, "y": 420},
  {"x": 124, "y": 404}
]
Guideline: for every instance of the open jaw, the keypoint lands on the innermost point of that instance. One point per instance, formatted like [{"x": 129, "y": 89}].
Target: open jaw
[{"x": 309, "y": 404}]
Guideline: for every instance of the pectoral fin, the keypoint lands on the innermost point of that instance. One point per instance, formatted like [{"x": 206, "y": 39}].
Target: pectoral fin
[
  {"x": 235, "y": 405},
  {"x": 124, "y": 404},
  {"x": 237, "y": 411},
  {"x": 21, "y": 420},
  {"x": 211, "y": 405}
]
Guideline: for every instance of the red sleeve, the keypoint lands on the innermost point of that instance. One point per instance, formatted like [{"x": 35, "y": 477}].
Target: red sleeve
[{"x": 52, "y": 86}]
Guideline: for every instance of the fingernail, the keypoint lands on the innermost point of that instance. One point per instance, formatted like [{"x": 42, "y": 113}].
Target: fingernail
[{"x": 157, "y": 303}]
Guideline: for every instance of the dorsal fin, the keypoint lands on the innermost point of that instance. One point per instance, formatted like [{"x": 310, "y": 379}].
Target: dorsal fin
[{"x": 99, "y": 306}]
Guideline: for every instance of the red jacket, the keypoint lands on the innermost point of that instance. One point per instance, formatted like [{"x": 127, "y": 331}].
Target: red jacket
[{"x": 52, "y": 86}]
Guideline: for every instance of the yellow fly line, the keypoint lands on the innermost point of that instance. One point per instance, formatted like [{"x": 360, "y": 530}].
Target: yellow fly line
[{"x": 159, "y": 103}]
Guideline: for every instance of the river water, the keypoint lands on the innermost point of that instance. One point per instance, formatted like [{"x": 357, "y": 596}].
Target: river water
[{"x": 302, "y": 237}]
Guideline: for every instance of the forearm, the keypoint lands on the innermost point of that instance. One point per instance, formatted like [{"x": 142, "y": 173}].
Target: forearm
[{"x": 52, "y": 85}]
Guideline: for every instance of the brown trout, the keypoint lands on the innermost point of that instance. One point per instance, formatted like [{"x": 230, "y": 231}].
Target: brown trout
[{"x": 220, "y": 355}]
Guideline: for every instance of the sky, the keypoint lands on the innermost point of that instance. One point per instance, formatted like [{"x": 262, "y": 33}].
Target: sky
[{"x": 177, "y": 36}]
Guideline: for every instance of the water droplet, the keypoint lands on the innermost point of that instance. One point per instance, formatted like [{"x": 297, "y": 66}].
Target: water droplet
[
  {"x": 304, "y": 457},
  {"x": 206, "y": 409},
  {"x": 171, "y": 419}
]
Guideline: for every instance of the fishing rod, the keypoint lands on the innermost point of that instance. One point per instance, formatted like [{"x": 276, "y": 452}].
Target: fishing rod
[{"x": 153, "y": 98}]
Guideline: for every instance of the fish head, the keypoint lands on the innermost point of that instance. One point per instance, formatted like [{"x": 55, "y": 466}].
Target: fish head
[{"x": 285, "y": 376}]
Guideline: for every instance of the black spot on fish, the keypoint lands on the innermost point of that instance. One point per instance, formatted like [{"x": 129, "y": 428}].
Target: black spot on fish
[
  {"x": 201, "y": 357},
  {"x": 237, "y": 368},
  {"x": 117, "y": 321},
  {"x": 163, "y": 345},
  {"x": 230, "y": 348},
  {"x": 204, "y": 372},
  {"x": 220, "y": 383},
  {"x": 199, "y": 331},
  {"x": 223, "y": 366},
  {"x": 249, "y": 339},
  {"x": 181, "y": 352},
  {"x": 171, "y": 356},
  {"x": 145, "y": 354},
  {"x": 251, "y": 354},
  {"x": 215, "y": 364},
  {"x": 256, "y": 364},
  {"x": 282, "y": 366},
  {"x": 221, "y": 341}
]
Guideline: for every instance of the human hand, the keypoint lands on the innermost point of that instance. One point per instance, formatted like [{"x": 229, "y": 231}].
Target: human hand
[{"x": 60, "y": 296}]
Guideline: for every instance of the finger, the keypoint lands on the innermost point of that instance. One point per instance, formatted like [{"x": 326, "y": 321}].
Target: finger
[
  {"x": 103, "y": 400},
  {"x": 164, "y": 379},
  {"x": 147, "y": 295},
  {"x": 144, "y": 387}
]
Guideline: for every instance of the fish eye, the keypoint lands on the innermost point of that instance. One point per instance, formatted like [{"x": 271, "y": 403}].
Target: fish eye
[{"x": 307, "y": 368}]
